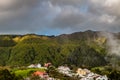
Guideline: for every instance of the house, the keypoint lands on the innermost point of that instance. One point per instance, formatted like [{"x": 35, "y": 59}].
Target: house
[
  {"x": 31, "y": 66},
  {"x": 81, "y": 72},
  {"x": 94, "y": 77},
  {"x": 101, "y": 78},
  {"x": 40, "y": 74},
  {"x": 87, "y": 71},
  {"x": 87, "y": 78},
  {"x": 91, "y": 74},
  {"x": 65, "y": 70},
  {"x": 34, "y": 66},
  {"x": 38, "y": 66},
  {"x": 47, "y": 64},
  {"x": 50, "y": 78}
]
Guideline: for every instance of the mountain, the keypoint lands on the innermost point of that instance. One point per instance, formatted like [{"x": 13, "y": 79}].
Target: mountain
[{"x": 84, "y": 49}]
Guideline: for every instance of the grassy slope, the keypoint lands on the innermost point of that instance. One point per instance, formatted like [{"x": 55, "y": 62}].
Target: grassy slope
[{"x": 26, "y": 72}]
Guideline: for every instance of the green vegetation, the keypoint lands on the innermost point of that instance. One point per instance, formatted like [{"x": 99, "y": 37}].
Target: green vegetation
[
  {"x": 6, "y": 75},
  {"x": 84, "y": 56},
  {"x": 81, "y": 49},
  {"x": 26, "y": 72},
  {"x": 52, "y": 72},
  {"x": 112, "y": 73}
]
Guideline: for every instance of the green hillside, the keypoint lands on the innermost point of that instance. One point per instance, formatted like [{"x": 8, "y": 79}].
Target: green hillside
[{"x": 84, "y": 49}]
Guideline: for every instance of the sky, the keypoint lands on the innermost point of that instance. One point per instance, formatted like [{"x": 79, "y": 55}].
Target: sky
[{"x": 54, "y": 17}]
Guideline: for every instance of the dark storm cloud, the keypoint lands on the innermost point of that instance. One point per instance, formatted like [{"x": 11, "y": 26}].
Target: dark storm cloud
[
  {"x": 22, "y": 16},
  {"x": 98, "y": 15},
  {"x": 17, "y": 15}
]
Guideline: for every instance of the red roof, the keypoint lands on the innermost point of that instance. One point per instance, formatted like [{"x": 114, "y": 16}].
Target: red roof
[
  {"x": 39, "y": 73},
  {"x": 47, "y": 64}
]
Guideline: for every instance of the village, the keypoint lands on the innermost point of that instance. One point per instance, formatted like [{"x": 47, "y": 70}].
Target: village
[{"x": 80, "y": 74}]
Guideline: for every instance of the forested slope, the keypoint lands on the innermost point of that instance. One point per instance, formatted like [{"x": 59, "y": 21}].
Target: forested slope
[{"x": 86, "y": 49}]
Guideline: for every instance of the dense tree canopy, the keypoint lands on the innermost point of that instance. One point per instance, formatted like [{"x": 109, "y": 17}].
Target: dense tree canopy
[{"x": 81, "y": 49}]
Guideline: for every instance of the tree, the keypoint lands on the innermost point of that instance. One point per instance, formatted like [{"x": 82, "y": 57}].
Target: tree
[
  {"x": 114, "y": 75},
  {"x": 6, "y": 75}
]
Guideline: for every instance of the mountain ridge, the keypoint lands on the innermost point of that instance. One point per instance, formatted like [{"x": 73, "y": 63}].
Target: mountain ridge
[{"x": 19, "y": 50}]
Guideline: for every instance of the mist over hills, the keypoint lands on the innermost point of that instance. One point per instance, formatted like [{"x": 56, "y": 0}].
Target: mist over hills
[{"x": 83, "y": 49}]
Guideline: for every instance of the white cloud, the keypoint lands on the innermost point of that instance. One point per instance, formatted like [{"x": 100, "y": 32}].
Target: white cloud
[
  {"x": 112, "y": 3},
  {"x": 107, "y": 18}
]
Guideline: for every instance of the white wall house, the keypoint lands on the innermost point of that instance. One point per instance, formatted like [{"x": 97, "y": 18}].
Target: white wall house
[
  {"x": 102, "y": 78},
  {"x": 31, "y": 66},
  {"x": 38, "y": 66},
  {"x": 34, "y": 66},
  {"x": 65, "y": 70}
]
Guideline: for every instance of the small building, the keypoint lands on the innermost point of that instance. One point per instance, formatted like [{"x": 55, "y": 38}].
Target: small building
[
  {"x": 91, "y": 74},
  {"x": 87, "y": 78},
  {"x": 40, "y": 74},
  {"x": 47, "y": 64},
  {"x": 81, "y": 72},
  {"x": 65, "y": 70},
  {"x": 101, "y": 78},
  {"x": 34, "y": 66},
  {"x": 31, "y": 66},
  {"x": 38, "y": 66},
  {"x": 87, "y": 71}
]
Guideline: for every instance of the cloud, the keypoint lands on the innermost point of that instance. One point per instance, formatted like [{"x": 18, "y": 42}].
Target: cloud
[
  {"x": 92, "y": 14},
  {"x": 14, "y": 7},
  {"x": 24, "y": 16},
  {"x": 15, "y": 15}
]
